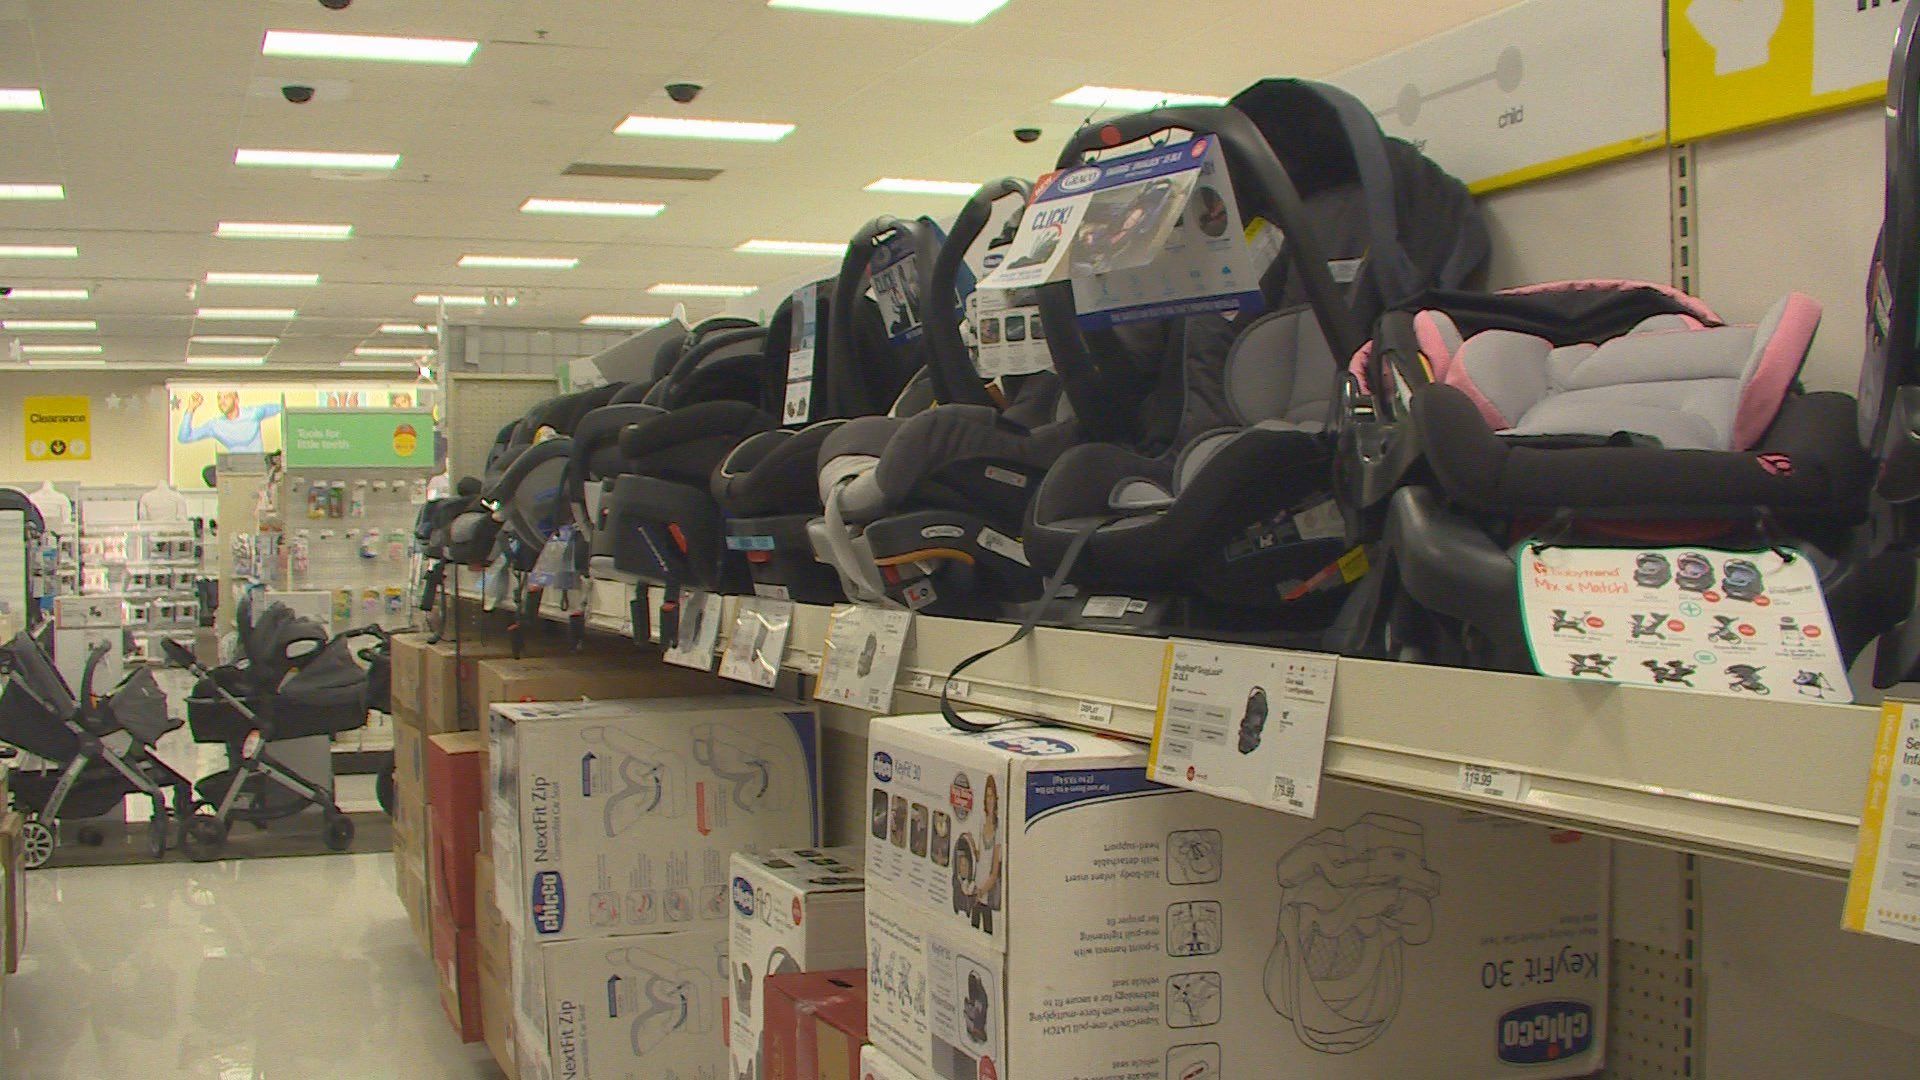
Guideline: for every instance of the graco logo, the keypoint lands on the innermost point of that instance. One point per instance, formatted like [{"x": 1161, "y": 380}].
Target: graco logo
[
  {"x": 883, "y": 767},
  {"x": 1547, "y": 1031},
  {"x": 549, "y": 902},
  {"x": 1080, "y": 179},
  {"x": 743, "y": 901}
]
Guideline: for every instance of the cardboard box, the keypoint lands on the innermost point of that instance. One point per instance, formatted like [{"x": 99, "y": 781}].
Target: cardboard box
[
  {"x": 496, "y": 1018},
  {"x": 645, "y": 1007},
  {"x": 617, "y": 817},
  {"x": 816, "y": 1024},
  {"x": 412, "y": 885},
  {"x": 456, "y": 957},
  {"x": 456, "y": 772},
  {"x": 589, "y": 676},
  {"x": 876, "y": 1065},
  {"x": 408, "y": 674},
  {"x": 14, "y": 854},
  {"x": 409, "y": 778},
  {"x": 1125, "y": 929},
  {"x": 792, "y": 911},
  {"x": 490, "y": 929}
]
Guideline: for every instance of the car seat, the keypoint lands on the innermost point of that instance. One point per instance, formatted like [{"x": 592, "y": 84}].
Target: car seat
[
  {"x": 1603, "y": 413},
  {"x": 1221, "y": 514},
  {"x": 934, "y": 520}
]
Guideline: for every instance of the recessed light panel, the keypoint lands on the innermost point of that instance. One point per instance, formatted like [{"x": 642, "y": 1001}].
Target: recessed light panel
[
  {"x": 226, "y": 361},
  {"x": 67, "y": 363},
  {"x": 233, "y": 339},
  {"x": 315, "y": 159},
  {"x": 237, "y": 277},
  {"x": 1125, "y": 100},
  {"x": 517, "y": 262},
  {"x": 21, "y": 100},
  {"x": 792, "y": 247},
  {"x": 390, "y": 350},
  {"x": 28, "y": 326},
  {"x": 60, "y": 350},
  {"x": 676, "y": 127},
  {"x": 672, "y": 288},
  {"x": 965, "y": 12},
  {"x": 895, "y": 185},
  {"x": 626, "y": 322},
  {"x": 592, "y": 208},
  {"x": 379, "y": 365},
  {"x": 39, "y": 251},
  {"x": 239, "y": 314},
  {"x": 449, "y": 300},
  {"x": 37, "y": 192},
  {"x": 406, "y": 50},
  {"x": 281, "y": 230},
  {"x": 406, "y": 328},
  {"x": 46, "y": 294}
]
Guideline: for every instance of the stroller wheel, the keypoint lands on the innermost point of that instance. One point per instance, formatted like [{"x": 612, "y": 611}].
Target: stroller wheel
[
  {"x": 157, "y": 836},
  {"x": 383, "y": 789},
  {"x": 206, "y": 835},
  {"x": 37, "y": 842},
  {"x": 339, "y": 834}
]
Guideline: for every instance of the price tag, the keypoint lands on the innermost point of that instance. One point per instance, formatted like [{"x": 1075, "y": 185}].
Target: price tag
[
  {"x": 861, "y": 658},
  {"x": 1094, "y": 714},
  {"x": 1883, "y": 892},
  {"x": 700, "y": 614},
  {"x": 1491, "y": 783},
  {"x": 758, "y": 642},
  {"x": 1243, "y": 723}
]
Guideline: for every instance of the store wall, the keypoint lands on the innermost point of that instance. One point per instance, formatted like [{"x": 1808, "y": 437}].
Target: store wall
[{"x": 129, "y": 427}]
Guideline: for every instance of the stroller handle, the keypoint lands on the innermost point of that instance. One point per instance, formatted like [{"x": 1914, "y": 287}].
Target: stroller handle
[{"x": 96, "y": 654}]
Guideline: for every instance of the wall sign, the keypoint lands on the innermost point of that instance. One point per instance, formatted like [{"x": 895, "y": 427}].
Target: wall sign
[
  {"x": 58, "y": 428},
  {"x": 377, "y": 439},
  {"x": 1738, "y": 64}
]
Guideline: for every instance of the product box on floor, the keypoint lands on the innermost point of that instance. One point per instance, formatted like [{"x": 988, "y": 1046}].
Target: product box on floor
[
  {"x": 816, "y": 1025},
  {"x": 456, "y": 778},
  {"x": 456, "y": 958},
  {"x": 643, "y": 1007},
  {"x": 496, "y": 969},
  {"x": 1037, "y": 907},
  {"x": 426, "y": 680},
  {"x": 410, "y": 881},
  {"x": 792, "y": 911},
  {"x": 13, "y": 863},
  {"x": 876, "y": 1065}
]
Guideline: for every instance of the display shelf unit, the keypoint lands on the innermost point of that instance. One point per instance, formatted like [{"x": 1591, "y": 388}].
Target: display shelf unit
[{"x": 1768, "y": 781}]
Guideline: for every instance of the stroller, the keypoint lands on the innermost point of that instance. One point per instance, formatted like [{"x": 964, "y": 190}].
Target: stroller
[
  {"x": 292, "y": 682},
  {"x": 101, "y": 750}
]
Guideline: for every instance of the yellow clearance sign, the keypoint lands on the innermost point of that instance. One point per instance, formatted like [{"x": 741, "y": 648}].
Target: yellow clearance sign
[
  {"x": 1736, "y": 64},
  {"x": 59, "y": 428}
]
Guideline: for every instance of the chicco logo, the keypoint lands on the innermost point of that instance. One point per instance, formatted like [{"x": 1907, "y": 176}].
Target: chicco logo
[
  {"x": 743, "y": 897},
  {"x": 1080, "y": 179},
  {"x": 883, "y": 767},
  {"x": 1548, "y": 1031},
  {"x": 549, "y": 905}
]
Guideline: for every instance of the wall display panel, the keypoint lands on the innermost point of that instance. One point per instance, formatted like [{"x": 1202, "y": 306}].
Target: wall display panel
[{"x": 1737, "y": 64}]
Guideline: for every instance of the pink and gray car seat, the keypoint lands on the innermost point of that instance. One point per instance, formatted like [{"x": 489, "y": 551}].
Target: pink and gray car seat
[
  {"x": 1208, "y": 499},
  {"x": 1600, "y": 413}
]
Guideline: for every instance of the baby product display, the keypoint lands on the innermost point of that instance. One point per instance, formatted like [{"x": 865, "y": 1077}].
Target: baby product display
[
  {"x": 792, "y": 911},
  {"x": 349, "y": 533},
  {"x": 1084, "y": 921}
]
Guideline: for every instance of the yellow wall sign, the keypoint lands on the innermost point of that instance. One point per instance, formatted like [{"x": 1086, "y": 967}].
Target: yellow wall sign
[
  {"x": 1736, "y": 64},
  {"x": 58, "y": 428}
]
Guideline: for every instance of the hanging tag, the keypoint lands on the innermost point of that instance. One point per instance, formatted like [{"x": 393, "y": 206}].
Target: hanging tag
[
  {"x": 1734, "y": 623},
  {"x": 861, "y": 659},
  {"x": 1243, "y": 723},
  {"x": 758, "y": 641},
  {"x": 802, "y": 343},
  {"x": 699, "y": 630}
]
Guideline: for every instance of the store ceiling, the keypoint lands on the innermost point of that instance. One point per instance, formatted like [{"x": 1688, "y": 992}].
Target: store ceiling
[{"x": 147, "y": 102}]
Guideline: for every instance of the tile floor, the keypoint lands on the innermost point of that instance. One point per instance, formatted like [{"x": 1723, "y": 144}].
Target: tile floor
[{"x": 263, "y": 969}]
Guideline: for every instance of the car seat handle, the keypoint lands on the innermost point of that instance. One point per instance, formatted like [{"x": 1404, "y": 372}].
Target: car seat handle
[
  {"x": 846, "y": 390},
  {"x": 1245, "y": 146},
  {"x": 673, "y": 389},
  {"x": 955, "y": 378}
]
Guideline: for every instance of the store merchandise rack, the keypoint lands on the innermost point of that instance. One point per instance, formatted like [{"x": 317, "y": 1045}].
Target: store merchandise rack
[{"x": 1766, "y": 781}]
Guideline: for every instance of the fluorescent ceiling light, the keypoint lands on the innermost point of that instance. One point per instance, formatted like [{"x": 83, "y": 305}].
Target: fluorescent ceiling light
[
  {"x": 32, "y": 325},
  {"x": 60, "y": 350},
  {"x": 46, "y": 294},
  {"x": 232, "y": 339},
  {"x": 39, "y": 251},
  {"x": 1116, "y": 97},
  {"x": 21, "y": 100},
  {"x": 448, "y": 300},
  {"x": 517, "y": 262},
  {"x": 226, "y": 361},
  {"x": 791, "y": 247},
  {"x": 675, "y": 127},
  {"x": 48, "y": 192},
  {"x": 894, "y": 185},
  {"x": 390, "y": 350},
  {"x": 406, "y": 328},
  {"x": 379, "y": 365},
  {"x": 670, "y": 288},
  {"x": 367, "y": 47},
  {"x": 592, "y": 207},
  {"x": 243, "y": 313},
  {"x": 627, "y": 322},
  {"x": 315, "y": 159},
  {"x": 946, "y": 11},
  {"x": 281, "y": 230},
  {"x": 67, "y": 363},
  {"x": 235, "y": 277}
]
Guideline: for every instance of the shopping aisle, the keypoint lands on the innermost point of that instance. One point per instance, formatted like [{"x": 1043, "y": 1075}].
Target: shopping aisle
[{"x": 262, "y": 969}]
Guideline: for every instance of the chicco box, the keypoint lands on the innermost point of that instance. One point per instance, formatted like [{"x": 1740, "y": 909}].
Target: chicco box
[
  {"x": 876, "y": 1065},
  {"x": 1150, "y": 933},
  {"x": 645, "y": 1007},
  {"x": 621, "y": 817},
  {"x": 792, "y": 911}
]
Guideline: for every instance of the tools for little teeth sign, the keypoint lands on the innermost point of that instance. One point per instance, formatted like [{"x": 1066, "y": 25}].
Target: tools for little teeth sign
[{"x": 58, "y": 428}]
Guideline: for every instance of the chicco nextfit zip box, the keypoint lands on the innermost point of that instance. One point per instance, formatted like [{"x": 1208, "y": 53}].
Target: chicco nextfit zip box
[{"x": 1057, "y": 914}]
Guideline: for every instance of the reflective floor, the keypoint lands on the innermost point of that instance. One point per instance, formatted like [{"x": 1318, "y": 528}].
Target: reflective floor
[{"x": 264, "y": 969}]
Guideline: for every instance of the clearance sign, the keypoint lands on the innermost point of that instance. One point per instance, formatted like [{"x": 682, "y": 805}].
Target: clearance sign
[{"x": 58, "y": 428}]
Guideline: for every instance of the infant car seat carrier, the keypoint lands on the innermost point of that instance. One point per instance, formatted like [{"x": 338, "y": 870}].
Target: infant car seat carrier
[{"x": 1223, "y": 515}]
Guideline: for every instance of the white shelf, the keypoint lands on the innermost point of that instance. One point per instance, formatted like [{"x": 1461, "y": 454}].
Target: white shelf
[{"x": 1769, "y": 781}]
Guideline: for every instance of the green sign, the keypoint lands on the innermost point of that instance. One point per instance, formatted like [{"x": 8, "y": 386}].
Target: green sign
[{"x": 360, "y": 439}]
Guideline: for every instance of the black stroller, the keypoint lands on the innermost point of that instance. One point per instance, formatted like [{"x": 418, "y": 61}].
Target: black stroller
[
  {"x": 291, "y": 682},
  {"x": 99, "y": 750}
]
